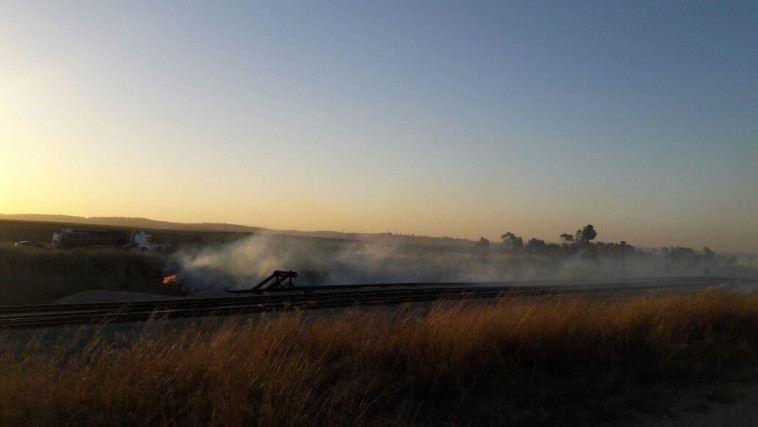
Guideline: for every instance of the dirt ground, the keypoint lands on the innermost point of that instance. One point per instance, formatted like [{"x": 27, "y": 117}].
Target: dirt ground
[{"x": 735, "y": 405}]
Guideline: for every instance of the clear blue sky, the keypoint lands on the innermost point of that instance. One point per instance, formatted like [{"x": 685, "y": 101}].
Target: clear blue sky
[{"x": 442, "y": 118}]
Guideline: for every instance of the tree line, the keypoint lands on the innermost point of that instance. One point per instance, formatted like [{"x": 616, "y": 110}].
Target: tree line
[{"x": 583, "y": 242}]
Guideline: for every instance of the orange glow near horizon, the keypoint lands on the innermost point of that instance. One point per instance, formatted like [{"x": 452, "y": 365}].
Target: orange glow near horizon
[{"x": 359, "y": 123}]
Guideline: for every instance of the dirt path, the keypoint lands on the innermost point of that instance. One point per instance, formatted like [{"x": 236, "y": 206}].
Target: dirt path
[{"x": 733, "y": 406}]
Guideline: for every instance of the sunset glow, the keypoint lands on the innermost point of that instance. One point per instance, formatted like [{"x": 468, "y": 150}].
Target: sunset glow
[{"x": 454, "y": 119}]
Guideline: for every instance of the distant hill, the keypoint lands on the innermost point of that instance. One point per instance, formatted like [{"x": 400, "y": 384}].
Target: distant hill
[
  {"x": 131, "y": 223},
  {"x": 57, "y": 221}
]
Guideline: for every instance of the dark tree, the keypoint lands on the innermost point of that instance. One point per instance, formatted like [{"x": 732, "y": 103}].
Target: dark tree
[
  {"x": 567, "y": 238},
  {"x": 512, "y": 242},
  {"x": 708, "y": 253},
  {"x": 682, "y": 254},
  {"x": 483, "y": 243},
  {"x": 536, "y": 246},
  {"x": 586, "y": 234}
]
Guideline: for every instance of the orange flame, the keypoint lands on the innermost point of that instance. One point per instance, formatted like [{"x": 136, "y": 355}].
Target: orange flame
[{"x": 174, "y": 285}]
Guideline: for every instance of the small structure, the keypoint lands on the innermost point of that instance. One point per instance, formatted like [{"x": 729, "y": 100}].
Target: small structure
[
  {"x": 279, "y": 280},
  {"x": 81, "y": 238}
]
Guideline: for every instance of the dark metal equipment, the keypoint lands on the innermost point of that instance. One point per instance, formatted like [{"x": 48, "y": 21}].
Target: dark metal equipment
[{"x": 279, "y": 280}]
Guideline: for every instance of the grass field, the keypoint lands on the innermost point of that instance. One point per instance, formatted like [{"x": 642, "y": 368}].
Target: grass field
[
  {"x": 527, "y": 362},
  {"x": 38, "y": 276}
]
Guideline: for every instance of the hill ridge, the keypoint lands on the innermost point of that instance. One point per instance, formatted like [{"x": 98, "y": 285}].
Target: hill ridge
[{"x": 131, "y": 222}]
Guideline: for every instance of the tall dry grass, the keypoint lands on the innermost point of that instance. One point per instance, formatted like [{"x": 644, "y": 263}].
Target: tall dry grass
[{"x": 535, "y": 361}]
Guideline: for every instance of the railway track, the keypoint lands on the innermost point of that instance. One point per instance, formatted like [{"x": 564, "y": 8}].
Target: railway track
[{"x": 324, "y": 297}]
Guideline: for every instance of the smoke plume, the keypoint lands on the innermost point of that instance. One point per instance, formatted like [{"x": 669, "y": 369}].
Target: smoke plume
[{"x": 243, "y": 263}]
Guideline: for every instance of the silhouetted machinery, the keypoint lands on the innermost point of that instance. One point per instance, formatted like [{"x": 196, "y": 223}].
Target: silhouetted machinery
[{"x": 276, "y": 281}]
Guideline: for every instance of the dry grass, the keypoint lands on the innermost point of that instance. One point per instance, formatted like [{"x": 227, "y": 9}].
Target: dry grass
[
  {"x": 38, "y": 276},
  {"x": 527, "y": 362}
]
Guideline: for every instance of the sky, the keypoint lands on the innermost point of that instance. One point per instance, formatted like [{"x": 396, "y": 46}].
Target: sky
[{"x": 466, "y": 119}]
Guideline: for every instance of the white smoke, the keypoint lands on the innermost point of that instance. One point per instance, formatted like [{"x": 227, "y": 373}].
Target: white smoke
[{"x": 244, "y": 263}]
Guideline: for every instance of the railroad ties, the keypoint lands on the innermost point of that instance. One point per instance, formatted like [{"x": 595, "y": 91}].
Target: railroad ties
[{"x": 311, "y": 298}]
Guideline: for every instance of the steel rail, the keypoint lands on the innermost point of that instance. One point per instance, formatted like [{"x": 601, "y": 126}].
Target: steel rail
[
  {"x": 152, "y": 305},
  {"x": 56, "y": 315},
  {"x": 95, "y": 308},
  {"x": 341, "y": 289}
]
